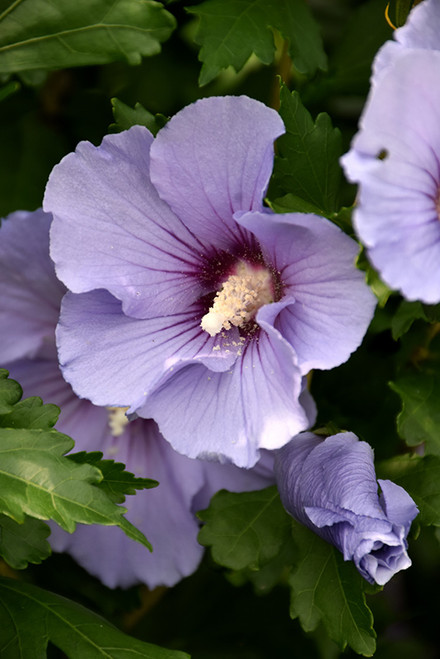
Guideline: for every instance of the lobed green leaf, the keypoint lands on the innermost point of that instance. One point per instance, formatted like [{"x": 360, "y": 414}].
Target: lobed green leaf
[
  {"x": 126, "y": 117},
  {"x": 41, "y": 34},
  {"x": 10, "y": 392},
  {"x": 419, "y": 420},
  {"x": 38, "y": 480},
  {"x": 116, "y": 482},
  {"x": 245, "y": 529},
  {"x": 307, "y": 164},
  {"x": 231, "y": 30},
  {"x": 30, "y": 413},
  {"x": 327, "y": 589},
  {"x": 251, "y": 533}
]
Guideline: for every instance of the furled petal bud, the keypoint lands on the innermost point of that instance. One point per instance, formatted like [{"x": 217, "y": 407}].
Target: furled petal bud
[{"x": 330, "y": 486}]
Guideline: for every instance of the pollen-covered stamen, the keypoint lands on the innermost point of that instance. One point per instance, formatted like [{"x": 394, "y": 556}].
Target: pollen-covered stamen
[
  {"x": 239, "y": 299},
  {"x": 117, "y": 420}
]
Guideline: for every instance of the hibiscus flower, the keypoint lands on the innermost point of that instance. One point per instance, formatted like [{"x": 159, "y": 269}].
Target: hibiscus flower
[{"x": 190, "y": 302}]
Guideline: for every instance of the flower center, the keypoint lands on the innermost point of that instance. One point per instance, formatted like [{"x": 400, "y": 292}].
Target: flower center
[
  {"x": 239, "y": 298},
  {"x": 117, "y": 420}
]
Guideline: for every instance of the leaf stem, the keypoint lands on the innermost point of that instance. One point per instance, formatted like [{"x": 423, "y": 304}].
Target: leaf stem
[{"x": 283, "y": 71}]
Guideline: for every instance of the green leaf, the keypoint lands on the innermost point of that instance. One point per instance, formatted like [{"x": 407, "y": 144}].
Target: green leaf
[
  {"x": 251, "y": 533},
  {"x": 116, "y": 482},
  {"x": 419, "y": 420},
  {"x": 327, "y": 589},
  {"x": 343, "y": 219},
  {"x": 40, "y": 34},
  {"x": 126, "y": 117},
  {"x": 290, "y": 203},
  {"x": 36, "y": 480},
  {"x": 246, "y": 529},
  {"x": 420, "y": 477},
  {"x": 404, "y": 317},
  {"x": 275, "y": 571},
  {"x": 307, "y": 164},
  {"x": 23, "y": 543},
  {"x": 10, "y": 392},
  {"x": 398, "y": 11},
  {"x": 432, "y": 312},
  {"x": 31, "y": 617},
  {"x": 30, "y": 413},
  {"x": 231, "y": 30}
]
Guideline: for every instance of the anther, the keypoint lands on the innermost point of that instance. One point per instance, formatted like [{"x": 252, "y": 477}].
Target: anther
[
  {"x": 117, "y": 420},
  {"x": 239, "y": 299}
]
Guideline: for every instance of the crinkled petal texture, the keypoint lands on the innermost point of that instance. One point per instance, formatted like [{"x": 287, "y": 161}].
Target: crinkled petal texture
[
  {"x": 143, "y": 230},
  {"x": 228, "y": 402},
  {"x": 214, "y": 158},
  {"x": 30, "y": 294},
  {"x": 420, "y": 31},
  {"x": 111, "y": 230},
  {"x": 114, "y": 359},
  {"x": 395, "y": 159},
  {"x": 326, "y": 305},
  {"x": 233, "y": 414},
  {"x": 164, "y": 514},
  {"x": 330, "y": 486}
]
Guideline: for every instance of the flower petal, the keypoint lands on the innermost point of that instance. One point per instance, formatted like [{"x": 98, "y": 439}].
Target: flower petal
[
  {"x": 112, "y": 231},
  {"x": 231, "y": 415},
  {"x": 335, "y": 474},
  {"x": 166, "y": 511},
  {"x": 330, "y": 486},
  {"x": 116, "y": 360},
  {"x": 397, "y": 215},
  {"x": 212, "y": 159},
  {"x": 398, "y": 505},
  {"x": 29, "y": 291},
  {"x": 315, "y": 260},
  {"x": 161, "y": 513},
  {"x": 421, "y": 30}
]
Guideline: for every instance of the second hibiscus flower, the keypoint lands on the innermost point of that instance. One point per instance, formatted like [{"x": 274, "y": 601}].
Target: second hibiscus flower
[{"x": 190, "y": 302}]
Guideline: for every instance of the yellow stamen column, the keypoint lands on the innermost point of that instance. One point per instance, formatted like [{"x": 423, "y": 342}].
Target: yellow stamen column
[{"x": 239, "y": 299}]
